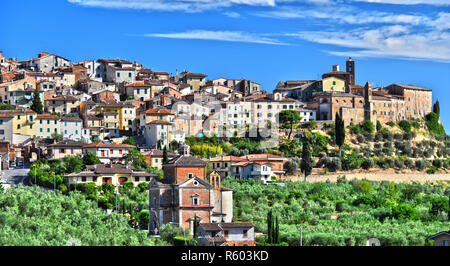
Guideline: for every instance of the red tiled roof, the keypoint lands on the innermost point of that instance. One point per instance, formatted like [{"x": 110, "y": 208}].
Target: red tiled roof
[
  {"x": 159, "y": 111},
  {"x": 227, "y": 158},
  {"x": 137, "y": 84},
  {"x": 47, "y": 116},
  {"x": 107, "y": 145},
  {"x": 160, "y": 122}
]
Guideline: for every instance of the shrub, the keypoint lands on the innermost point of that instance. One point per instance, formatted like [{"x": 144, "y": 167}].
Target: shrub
[
  {"x": 360, "y": 138},
  {"x": 408, "y": 163},
  {"x": 378, "y": 152},
  {"x": 405, "y": 125},
  {"x": 437, "y": 163},
  {"x": 388, "y": 151},
  {"x": 389, "y": 162},
  {"x": 367, "y": 126},
  {"x": 355, "y": 129},
  {"x": 335, "y": 165},
  {"x": 432, "y": 122},
  {"x": 399, "y": 163},
  {"x": 415, "y": 124},
  {"x": 367, "y": 163},
  {"x": 379, "y": 127},
  {"x": 368, "y": 136},
  {"x": 379, "y": 136},
  {"x": 290, "y": 167},
  {"x": 398, "y": 136},
  {"x": 408, "y": 135},
  {"x": 390, "y": 123},
  {"x": 431, "y": 170},
  {"x": 420, "y": 165},
  {"x": 387, "y": 136}
]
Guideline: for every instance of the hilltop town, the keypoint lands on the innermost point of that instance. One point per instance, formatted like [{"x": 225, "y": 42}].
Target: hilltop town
[{"x": 109, "y": 126}]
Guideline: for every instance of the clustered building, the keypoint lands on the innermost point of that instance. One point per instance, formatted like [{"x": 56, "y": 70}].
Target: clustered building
[{"x": 94, "y": 104}]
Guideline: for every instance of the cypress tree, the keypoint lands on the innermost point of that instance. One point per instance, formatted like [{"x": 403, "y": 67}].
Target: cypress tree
[
  {"x": 277, "y": 231},
  {"x": 36, "y": 104},
  {"x": 165, "y": 155},
  {"x": 306, "y": 163},
  {"x": 436, "y": 108},
  {"x": 196, "y": 222},
  {"x": 339, "y": 132},
  {"x": 269, "y": 227}
]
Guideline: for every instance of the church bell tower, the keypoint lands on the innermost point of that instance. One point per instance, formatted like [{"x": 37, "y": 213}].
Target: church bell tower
[{"x": 351, "y": 69}]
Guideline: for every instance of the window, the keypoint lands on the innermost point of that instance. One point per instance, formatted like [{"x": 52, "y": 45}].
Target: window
[
  {"x": 120, "y": 151},
  {"x": 195, "y": 200},
  {"x": 245, "y": 233},
  {"x": 40, "y": 130},
  {"x": 83, "y": 179},
  {"x": 225, "y": 233},
  {"x": 2, "y": 132},
  {"x": 445, "y": 243},
  {"x": 118, "y": 74},
  {"x": 48, "y": 130},
  {"x": 18, "y": 117},
  {"x": 129, "y": 75},
  {"x": 18, "y": 126},
  {"x": 111, "y": 151},
  {"x": 190, "y": 175}
]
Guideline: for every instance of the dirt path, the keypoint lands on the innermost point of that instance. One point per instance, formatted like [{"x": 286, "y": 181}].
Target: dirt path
[{"x": 395, "y": 177}]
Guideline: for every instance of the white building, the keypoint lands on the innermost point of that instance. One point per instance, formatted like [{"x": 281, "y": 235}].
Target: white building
[
  {"x": 71, "y": 128},
  {"x": 108, "y": 152},
  {"x": 156, "y": 131}
]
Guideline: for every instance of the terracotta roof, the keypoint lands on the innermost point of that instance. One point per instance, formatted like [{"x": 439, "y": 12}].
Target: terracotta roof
[
  {"x": 215, "y": 226},
  {"x": 160, "y": 122},
  {"x": 107, "y": 145},
  {"x": 61, "y": 98},
  {"x": 262, "y": 157},
  {"x": 68, "y": 143},
  {"x": 159, "y": 112},
  {"x": 138, "y": 84},
  {"x": 186, "y": 160},
  {"x": 115, "y": 61},
  {"x": 13, "y": 112},
  {"x": 47, "y": 116},
  {"x": 411, "y": 87},
  {"x": 197, "y": 75},
  {"x": 227, "y": 159},
  {"x": 157, "y": 153},
  {"x": 113, "y": 169}
]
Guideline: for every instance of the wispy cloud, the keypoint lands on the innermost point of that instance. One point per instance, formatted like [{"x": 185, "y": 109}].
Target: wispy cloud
[
  {"x": 227, "y": 36},
  {"x": 189, "y": 6},
  {"x": 390, "y": 41},
  {"x": 408, "y": 2},
  {"x": 232, "y": 14},
  {"x": 343, "y": 14}
]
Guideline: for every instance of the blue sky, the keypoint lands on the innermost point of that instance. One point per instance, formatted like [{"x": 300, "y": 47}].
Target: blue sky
[{"x": 392, "y": 41}]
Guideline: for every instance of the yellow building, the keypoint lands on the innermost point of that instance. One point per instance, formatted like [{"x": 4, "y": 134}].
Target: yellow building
[
  {"x": 333, "y": 84},
  {"x": 24, "y": 122},
  {"x": 126, "y": 112}
]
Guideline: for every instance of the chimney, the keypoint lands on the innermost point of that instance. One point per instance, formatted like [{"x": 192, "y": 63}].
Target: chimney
[{"x": 335, "y": 67}]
